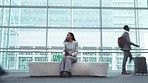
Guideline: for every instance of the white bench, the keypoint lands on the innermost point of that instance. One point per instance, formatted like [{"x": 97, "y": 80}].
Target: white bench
[{"x": 79, "y": 68}]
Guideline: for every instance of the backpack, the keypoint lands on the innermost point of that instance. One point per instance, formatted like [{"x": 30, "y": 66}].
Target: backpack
[{"x": 121, "y": 42}]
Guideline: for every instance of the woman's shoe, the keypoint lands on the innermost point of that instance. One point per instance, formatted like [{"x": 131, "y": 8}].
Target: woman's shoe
[
  {"x": 64, "y": 74},
  {"x": 125, "y": 73},
  {"x": 61, "y": 74},
  {"x": 68, "y": 74}
]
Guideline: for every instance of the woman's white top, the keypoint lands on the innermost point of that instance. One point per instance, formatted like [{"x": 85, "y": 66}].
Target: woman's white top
[{"x": 71, "y": 48}]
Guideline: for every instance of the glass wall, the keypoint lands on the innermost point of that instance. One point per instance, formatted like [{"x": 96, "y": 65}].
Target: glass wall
[{"x": 34, "y": 30}]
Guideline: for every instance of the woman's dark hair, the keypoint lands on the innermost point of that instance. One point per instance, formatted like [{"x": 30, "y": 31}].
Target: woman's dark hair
[
  {"x": 73, "y": 37},
  {"x": 126, "y": 27}
]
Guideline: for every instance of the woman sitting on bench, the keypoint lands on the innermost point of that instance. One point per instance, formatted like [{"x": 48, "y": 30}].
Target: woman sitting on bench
[{"x": 69, "y": 56}]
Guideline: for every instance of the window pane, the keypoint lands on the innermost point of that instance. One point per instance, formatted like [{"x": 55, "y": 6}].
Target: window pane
[
  {"x": 33, "y": 17},
  {"x": 1, "y": 2},
  {"x": 89, "y": 59},
  {"x": 118, "y": 18},
  {"x": 118, "y": 3},
  {"x": 23, "y": 63},
  {"x": 143, "y": 18},
  {"x": 5, "y": 35},
  {"x": 86, "y": 18},
  {"x": 1, "y": 17},
  {"x": 110, "y": 37},
  {"x": 143, "y": 43},
  {"x": 59, "y": 2},
  {"x": 29, "y": 2},
  {"x": 81, "y": 35},
  {"x": 24, "y": 17},
  {"x": 15, "y": 17},
  {"x": 87, "y": 37},
  {"x": 59, "y": 17},
  {"x": 142, "y": 3},
  {"x": 3, "y": 59},
  {"x": 5, "y": 17},
  {"x": 55, "y": 38},
  {"x": 5, "y": 2},
  {"x": 85, "y": 2},
  {"x": 32, "y": 37},
  {"x": 143, "y": 39},
  {"x": 13, "y": 37}
]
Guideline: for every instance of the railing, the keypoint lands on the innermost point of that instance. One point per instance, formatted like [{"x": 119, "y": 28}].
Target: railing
[{"x": 14, "y": 60}]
